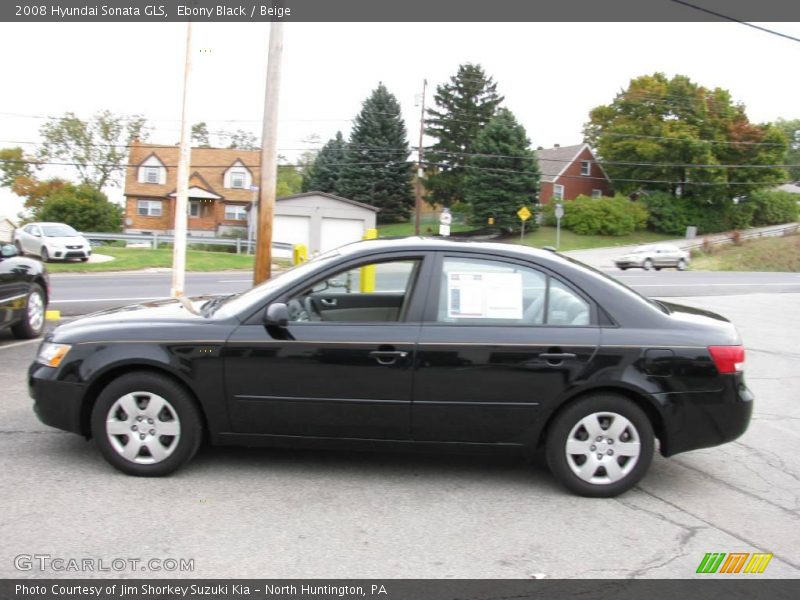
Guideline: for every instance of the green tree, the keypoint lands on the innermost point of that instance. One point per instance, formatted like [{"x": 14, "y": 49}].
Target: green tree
[
  {"x": 791, "y": 130},
  {"x": 464, "y": 106},
  {"x": 328, "y": 165},
  {"x": 376, "y": 168},
  {"x": 290, "y": 181},
  {"x": 676, "y": 136},
  {"x": 503, "y": 175},
  {"x": 96, "y": 148},
  {"x": 82, "y": 206},
  {"x": 200, "y": 136},
  {"x": 15, "y": 165},
  {"x": 243, "y": 140}
]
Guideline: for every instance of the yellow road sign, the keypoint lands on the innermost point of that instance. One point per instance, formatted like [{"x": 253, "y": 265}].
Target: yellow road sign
[{"x": 523, "y": 213}]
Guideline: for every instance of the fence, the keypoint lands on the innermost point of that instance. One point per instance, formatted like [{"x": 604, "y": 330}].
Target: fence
[
  {"x": 154, "y": 239},
  {"x": 727, "y": 238}
]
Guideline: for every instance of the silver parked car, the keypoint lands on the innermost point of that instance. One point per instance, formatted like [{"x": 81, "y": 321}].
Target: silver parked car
[
  {"x": 52, "y": 241},
  {"x": 654, "y": 256}
]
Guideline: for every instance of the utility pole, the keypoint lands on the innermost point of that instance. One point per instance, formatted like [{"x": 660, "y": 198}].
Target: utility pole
[
  {"x": 269, "y": 157},
  {"x": 418, "y": 202},
  {"x": 182, "y": 195}
]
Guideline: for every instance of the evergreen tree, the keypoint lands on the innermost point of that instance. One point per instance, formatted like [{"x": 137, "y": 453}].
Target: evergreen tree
[
  {"x": 327, "y": 167},
  {"x": 464, "y": 106},
  {"x": 376, "y": 168},
  {"x": 503, "y": 176}
]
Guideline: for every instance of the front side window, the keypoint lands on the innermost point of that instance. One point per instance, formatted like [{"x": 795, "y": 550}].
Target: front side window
[
  {"x": 369, "y": 293},
  {"x": 558, "y": 191},
  {"x": 148, "y": 208},
  {"x": 487, "y": 292},
  {"x": 235, "y": 212}
]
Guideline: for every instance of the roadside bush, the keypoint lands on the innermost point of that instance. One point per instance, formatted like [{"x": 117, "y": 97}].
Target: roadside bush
[
  {"x": 672, "y": 215},
  {"x": 773, "y": 207},
  {"x": 600, "y": 216}
]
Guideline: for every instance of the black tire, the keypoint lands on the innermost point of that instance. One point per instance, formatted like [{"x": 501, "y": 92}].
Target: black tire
[
  {"x": 20, "y": 252},
  {"x": 657, "y": 268},
  {"x": 31, "y": 326},
  {"x": 681, "y": 266},
  {"x": 84, "y": 259},
  {"x": 623, "y": 268},
  {"x": 45, "y": 255},
  {"x": 180, "y": 404},
  {"x": 647, "y": 264},
  {"x": 568, "y": 424}
]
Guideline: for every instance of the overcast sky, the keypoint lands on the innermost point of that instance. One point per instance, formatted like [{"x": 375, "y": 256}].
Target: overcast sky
[{"x": 551, "y": 74}]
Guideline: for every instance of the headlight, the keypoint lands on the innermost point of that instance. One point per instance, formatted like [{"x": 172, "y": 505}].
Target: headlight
[{"x": 52, "y": 354}]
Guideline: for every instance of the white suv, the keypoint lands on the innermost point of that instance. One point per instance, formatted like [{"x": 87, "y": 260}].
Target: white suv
[{"x": 52, "y": 241}]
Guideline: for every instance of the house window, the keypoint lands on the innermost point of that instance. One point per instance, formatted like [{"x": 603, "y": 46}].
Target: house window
[
  {"x": 194, "y": 209},
  {"x": 235, "y": 212},
  {"x": 558, "y": 191},
  {"x": 148, "y": 208},
  {"x": 151, "y": 175},
  {"x": 586, "y": 168},
  {"x": 237, "y": 179},
  {"x": 597, "y": 193}
]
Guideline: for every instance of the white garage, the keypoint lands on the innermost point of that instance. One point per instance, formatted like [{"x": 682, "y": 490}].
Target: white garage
[{"x": 319, "y": 220}]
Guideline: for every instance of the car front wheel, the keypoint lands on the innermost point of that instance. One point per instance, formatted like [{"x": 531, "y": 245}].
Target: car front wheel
[
  {"x": 600, "y": 446},
  {"x": 33, "y": 322},
  {"x": 681, "y": 266},
  {"x": 20, "y": 252},
  {"x": 647, "y": 264},
  {"x": 45, "y": 255},
  {"x": 146, "y": 424}
]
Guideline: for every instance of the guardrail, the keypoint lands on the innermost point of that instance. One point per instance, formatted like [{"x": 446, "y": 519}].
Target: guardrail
[
  {"x": 728, "y": 238},
  {"x": 154, "y": 239}
]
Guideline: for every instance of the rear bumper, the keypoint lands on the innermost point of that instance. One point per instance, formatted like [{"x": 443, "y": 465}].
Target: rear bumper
[
  {"x": 696, "y": 420},
  {"x": 56, "y": 403}
]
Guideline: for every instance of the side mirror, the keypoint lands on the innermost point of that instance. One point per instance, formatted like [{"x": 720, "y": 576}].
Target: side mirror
[
  {"x": 277, "y": 314},
  {"x": 8, "y": 251}
]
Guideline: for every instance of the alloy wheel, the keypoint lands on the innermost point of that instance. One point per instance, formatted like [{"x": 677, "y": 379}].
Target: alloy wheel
[
  {"x": 143, "y": 428},
  {"x": 603, "y": 448}
]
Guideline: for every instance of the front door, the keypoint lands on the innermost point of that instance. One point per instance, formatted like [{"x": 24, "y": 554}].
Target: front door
[{"x": 343, "y": 368}]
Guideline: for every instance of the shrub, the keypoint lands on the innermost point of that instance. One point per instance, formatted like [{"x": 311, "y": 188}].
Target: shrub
[
  {"x": 773, "y": 207},
  {"x": 601, "y": 216},
  {"x": 672, "y": 215}
]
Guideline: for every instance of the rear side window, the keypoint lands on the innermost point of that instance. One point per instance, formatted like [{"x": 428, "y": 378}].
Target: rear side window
[{"x": 477, "y": 291}]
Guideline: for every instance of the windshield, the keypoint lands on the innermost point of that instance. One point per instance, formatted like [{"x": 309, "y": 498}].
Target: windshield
[
  {"x": 241, "y": 303},
  {"x": 59, "y": 231}
]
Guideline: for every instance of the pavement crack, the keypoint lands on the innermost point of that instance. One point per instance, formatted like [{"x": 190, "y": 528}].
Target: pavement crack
[
  {"x": 24, "y": 431},
  {"x": 772, "y": 459},
  {"x": 737, "y": 536}
]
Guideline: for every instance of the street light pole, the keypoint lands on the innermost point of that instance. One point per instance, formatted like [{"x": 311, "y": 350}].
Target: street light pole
[{"x": 418, "y": 201}]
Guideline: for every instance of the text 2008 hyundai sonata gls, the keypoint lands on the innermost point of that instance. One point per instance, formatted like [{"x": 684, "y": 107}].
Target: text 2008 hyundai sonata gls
[{"x": 423, "y": 342}]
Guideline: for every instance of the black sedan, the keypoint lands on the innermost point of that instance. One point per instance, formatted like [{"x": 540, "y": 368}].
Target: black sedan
[
  {"x": 23, "y": 293},
  {"x": 396, "y": 343}
]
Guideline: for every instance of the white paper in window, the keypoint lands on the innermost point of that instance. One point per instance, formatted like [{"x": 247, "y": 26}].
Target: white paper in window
[{"x": 484, "y": 295}]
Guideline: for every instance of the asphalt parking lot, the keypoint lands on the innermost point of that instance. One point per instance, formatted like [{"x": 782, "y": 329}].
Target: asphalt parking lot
[{"x": 319, "y": 514}]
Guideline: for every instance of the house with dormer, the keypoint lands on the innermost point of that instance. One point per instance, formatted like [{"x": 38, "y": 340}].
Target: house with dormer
[
  {"x": 221, "y": 188},
  {"x": 571, "y": 171}
]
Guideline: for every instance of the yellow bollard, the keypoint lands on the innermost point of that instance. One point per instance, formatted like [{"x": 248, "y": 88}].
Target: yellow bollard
[
  {"x": 368, "y": 272},
  {"x": 299, "y": 254},
  {"x": 52, "y": 315}
]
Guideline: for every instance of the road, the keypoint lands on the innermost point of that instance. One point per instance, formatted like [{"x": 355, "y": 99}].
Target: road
[
  {"x": 76, "y": 294},
  {"x": 316, "y": 514}
]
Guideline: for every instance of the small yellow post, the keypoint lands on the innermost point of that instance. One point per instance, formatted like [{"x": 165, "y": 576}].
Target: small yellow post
[
  {"x": 368, "y": 272},
  {"x": 299, "y": 254},
  {"x": 52, "y": 315}
]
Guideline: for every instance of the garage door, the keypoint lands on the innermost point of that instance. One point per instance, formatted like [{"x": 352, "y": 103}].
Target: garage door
[
  {"x": 338, "y": 232},
  {"x": 291, "y": 230}
]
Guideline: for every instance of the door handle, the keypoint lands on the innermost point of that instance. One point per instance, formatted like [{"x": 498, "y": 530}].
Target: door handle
[
  {"x": 387, "y": 357},
  {"x": 554, "y": 357},
  {"x": 328, "y": 301}
]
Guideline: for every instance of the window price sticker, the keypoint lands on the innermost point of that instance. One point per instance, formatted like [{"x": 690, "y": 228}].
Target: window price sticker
[{"x": 484, "y": 295}]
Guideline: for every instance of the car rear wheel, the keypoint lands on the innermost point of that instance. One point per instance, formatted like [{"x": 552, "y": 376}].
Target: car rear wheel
[
  {"x": 681, "y": 266},
  {"x": 146, "y": 424},
  {"x": 647, "y": 264},
  {"x": 600, "y": 446},
  {"x": 33, "y": 322},
  {"x": 45, "y": 255}
]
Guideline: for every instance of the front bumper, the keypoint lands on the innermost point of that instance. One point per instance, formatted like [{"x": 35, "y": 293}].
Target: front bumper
[
  {"x": 57, "y": 403},
  {"x": 66, "y": 253},
  {"x": 627, "y": 264},
  {"x": 696, "y": 420}
]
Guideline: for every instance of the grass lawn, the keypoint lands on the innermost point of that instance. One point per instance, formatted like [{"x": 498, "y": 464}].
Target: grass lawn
[
  {"x": 546, "y": 236},
  {"x": 131, "y": 259},
  {"x": 426, "y": 227},
  {"x": 768, "y": 254}
]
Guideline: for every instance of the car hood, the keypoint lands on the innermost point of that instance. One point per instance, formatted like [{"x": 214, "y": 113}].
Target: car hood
[
  {"x": 72, "y": 240},
  {"x": 162, "y": 318}
]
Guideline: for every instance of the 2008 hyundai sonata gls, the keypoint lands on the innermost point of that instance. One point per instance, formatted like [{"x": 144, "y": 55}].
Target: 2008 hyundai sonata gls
[{"x": 423, "y": 342}]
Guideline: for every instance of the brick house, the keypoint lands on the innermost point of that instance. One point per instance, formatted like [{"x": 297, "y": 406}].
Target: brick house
[
  {"x": 220, "y": 181},
  {"x": 569, "y": 171}
]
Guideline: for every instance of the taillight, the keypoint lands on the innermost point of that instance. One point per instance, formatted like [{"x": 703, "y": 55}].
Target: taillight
[{"x": 728, "y": 359}]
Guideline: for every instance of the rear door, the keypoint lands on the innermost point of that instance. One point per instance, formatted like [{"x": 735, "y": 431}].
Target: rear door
[{"x": 501, "y": 342}]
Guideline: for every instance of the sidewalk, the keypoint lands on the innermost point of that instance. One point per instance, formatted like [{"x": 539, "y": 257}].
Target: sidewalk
[{"x": 603, "y": 258}]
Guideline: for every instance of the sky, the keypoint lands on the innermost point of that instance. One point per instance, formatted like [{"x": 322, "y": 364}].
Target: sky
[{"x": 551, "y": 74}]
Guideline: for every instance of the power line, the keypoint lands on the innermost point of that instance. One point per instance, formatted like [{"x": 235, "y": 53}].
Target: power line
[{"x": 735, "y": 20}]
